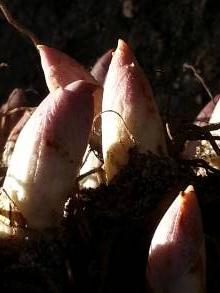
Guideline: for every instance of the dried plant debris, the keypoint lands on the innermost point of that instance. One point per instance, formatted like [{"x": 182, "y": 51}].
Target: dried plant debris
[
  {"x": 116, "y": 220},
  {"x": 103, "y": 242},
  {"x": 92, "y": 219},
  {"x": 140, "y": 185}
]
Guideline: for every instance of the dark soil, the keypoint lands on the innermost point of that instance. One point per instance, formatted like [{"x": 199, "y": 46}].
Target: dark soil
[
  {"x": 95, "y": 249},
  {"x": 103, "y": 243}
]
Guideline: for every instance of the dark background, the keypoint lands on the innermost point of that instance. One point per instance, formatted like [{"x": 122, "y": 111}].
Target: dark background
[{"x": 164, "y": 35}]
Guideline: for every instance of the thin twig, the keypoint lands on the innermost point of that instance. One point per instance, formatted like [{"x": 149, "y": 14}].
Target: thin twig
[
  {"x": 200, "y": 79},
  {"x": 14, "y": 216},
  {"x": 10, "y": 199},
  {"x": 211, "y": 126},
  {"x": 98, "y": 155},
  {"x": 87, "y": 155},
  {"x": 214, "y": 145},
  {"x": 125, "y": 125},
  {"x": 203, "y": 164},
  {"x": 21, "y": 28},
  {"x": 168, "y": 131},
  {"x": 95, "y": 170},
  {"x": 204, "y": 132},
  {"x": 195, "y": 132}
]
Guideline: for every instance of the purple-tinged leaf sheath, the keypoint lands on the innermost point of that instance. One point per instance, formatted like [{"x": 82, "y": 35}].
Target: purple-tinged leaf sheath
[
  {"x": 100, "y": 69},
  {"x": 15, "y": 100},
  {"x": 8, "y": 119},
  {"x": 12, "y": 138},
  {"x": 61, "y": 69},
  {"x": 128, "y": 92},
  {"x": 203, "y": 118},
  {"x": 176, "y": 261},
  {"x": 48, "y": 154}
]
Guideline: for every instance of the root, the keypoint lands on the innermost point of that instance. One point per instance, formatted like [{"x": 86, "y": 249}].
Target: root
[
  {"x": 200, "y": 79},
  {"x": 200, "y": 163},
  {"x": 95, "y": 170},
  {"x": 131, "y": 137},
  {"x": 194, "y": 132},
  {"x": 19, "y": 27}
]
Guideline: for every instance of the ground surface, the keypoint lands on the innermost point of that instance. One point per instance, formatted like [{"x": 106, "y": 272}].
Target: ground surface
[{"x": 164, "y": 35}]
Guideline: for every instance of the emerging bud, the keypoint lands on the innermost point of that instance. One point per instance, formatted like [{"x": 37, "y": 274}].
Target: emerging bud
[
  {"x": 128, "y": 93},
  {"x": 176, "y": 261},
  {"x": 100, "y": 69},
  {"x": 15, "y": 100},
  {"x": 12, "y": 138},
  {"x": 10, "y": 114},
  {"x": 60, "y": 70},
  {"x": 48, "y": 154}
]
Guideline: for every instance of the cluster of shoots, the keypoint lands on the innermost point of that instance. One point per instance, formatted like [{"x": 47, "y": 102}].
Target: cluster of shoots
[{"x": 108, "y": 110}]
